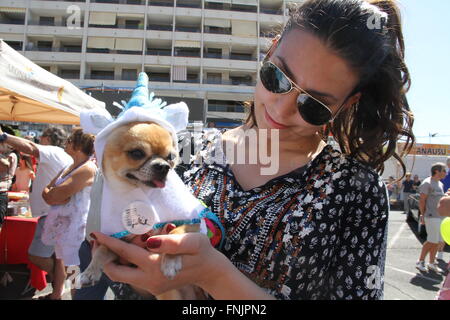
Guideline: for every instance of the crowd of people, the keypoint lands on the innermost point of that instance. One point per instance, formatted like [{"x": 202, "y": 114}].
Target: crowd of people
[{"x": 315, "y": 229}]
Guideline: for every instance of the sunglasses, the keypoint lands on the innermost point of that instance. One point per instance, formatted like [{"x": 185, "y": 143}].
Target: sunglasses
[{"x": 312, "y": 110}]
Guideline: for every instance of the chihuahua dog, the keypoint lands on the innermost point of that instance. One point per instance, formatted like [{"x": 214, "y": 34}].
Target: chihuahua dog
[{"x": 139, "y": 155}]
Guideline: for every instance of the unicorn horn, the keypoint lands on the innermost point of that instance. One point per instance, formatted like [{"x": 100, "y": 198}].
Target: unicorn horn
[{"x": 139, "y": 97}]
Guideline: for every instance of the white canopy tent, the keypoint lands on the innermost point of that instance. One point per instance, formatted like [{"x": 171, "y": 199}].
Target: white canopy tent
[{"x": 30, "y": 93}]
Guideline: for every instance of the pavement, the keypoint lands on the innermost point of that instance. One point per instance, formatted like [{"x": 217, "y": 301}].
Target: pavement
[{"x": 402, "y": 280}]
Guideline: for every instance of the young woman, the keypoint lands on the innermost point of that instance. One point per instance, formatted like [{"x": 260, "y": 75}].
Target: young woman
[
  {"x": 68, "y": 196},
  {"x": 316, "y": 228}
]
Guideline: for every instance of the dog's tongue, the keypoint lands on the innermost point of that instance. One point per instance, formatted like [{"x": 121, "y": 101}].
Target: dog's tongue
[{"x": 159, "y": 184}]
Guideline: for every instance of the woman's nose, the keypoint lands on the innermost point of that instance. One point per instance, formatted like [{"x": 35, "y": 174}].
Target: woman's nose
[{"x": 285, "y": 105}]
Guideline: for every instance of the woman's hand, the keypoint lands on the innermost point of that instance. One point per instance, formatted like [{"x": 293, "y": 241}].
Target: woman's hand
[{"x": 201, "y": 263}]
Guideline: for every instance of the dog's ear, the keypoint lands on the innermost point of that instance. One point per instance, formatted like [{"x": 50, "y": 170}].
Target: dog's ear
[
  {"x": 177, "y": 115},
  {"x": 94, "y": 121}
]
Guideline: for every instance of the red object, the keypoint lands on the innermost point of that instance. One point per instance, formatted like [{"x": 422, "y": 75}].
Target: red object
[{"x": 15, "y": 239}]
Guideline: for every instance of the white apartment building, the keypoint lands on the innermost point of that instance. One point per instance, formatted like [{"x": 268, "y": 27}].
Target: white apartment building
[{"x": 204, "y": 51}]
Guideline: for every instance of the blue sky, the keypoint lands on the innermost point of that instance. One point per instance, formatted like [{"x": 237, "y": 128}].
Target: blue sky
[{"x": 427, "y": 40}]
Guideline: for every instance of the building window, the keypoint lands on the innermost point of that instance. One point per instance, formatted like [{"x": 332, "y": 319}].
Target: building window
[
  {"x": 102, "y": 75},
  {"x": 70, "y": 74},
  {"x": 46, "y": 21},
  {"x": 129, "y": 74},
  {"x": 45, "y": 45},
  {"x": 214, "y": 78},
  {"x": 132, "y": 24},
  {"x": 16, "y": 45}
]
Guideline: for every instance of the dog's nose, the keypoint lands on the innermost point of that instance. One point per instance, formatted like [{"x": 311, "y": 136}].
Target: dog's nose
[{"x": 161, "y": 168}]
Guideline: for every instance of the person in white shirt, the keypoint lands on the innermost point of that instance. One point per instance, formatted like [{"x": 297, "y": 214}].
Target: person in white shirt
[{"x": 51, "y": 160}]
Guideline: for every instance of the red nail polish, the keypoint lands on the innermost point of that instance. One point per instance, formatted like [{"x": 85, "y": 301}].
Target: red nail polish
[
  {"x": 144, "y": 237},
  {"x": 92, "y": 235},
  {"x": 170, "y": 227},
  {"x": 153, "y": 243}
]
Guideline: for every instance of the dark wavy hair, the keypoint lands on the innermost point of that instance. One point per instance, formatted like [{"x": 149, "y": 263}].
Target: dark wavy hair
[
  {"x": 56, "y": 135},
  {"x": 368, "y": 35},
  {"x": 82, "y": 141}
]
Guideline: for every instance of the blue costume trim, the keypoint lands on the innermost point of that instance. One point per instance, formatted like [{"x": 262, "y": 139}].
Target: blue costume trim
[
  {"x": 119, "y": 235},
  {"x": 176, "y": 223},
  {"x": 206, "y": 213}
]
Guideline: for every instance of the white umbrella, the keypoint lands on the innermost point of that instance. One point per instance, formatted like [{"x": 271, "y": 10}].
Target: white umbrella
[{"x": 30, "y": 93}]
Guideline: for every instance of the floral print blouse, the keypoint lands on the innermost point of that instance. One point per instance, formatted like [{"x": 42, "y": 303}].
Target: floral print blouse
[{"x": 319, "y": 232}]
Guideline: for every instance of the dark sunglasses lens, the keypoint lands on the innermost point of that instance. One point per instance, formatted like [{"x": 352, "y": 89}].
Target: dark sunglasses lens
[
  {"x": 273, "y": 79},
  {"x": 312, "y": 111}
]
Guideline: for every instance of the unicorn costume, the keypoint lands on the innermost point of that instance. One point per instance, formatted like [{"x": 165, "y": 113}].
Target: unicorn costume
[{"x": 144, "y": 209}]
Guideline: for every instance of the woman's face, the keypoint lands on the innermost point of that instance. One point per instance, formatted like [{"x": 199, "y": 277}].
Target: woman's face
[
  {"x": 69, "y": 148},
  {"x": 315, "y": 69}
]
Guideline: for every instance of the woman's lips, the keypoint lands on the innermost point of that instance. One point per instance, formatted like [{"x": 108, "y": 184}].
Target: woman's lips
[{"x": 273, "y": 123}]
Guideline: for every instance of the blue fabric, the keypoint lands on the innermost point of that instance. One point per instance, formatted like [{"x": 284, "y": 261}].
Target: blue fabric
[
  {"x": 446, "y": 181},
  {"x": 98, "y": 291}
]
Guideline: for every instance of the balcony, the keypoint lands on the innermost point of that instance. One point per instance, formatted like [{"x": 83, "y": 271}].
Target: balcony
[
  {"x": 76, "y": 49},
  {"x": 226, "y": 108},
  {"x": 109, "y": 51},
  {"x": 217, "y": 30},
  {"x": 182, "y": 4},
  {"x": 233, "y": 56},
  {"x": 158, "y": 78},
  {"x": 188, "y": 29},
  {"x": 271, "y": 11},
  {"x": 159, "y": 52},
  {"x": 184, "y": 53},
  {"x": 161, "y": 3},
  {"x": 230, "y": 82},
  {"x": 159, "y": 27},
  {"x": 134, "y": 2}
]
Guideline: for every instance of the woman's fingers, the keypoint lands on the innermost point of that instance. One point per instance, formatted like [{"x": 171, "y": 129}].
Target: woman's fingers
[
  {"x": 129, "y": 252},
  {"x": 187, "y": 243},
  {"x": 121, "y": 273}
]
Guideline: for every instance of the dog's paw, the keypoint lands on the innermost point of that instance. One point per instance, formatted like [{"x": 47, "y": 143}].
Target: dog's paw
[
  {"x": 171, "y": 265},
  {"x": 88, "y": 278}
]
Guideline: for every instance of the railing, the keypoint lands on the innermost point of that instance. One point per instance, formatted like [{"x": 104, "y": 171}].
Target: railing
[
  {"x": 63, "y": 49},
  {"x": 133, "y": 2},
  {"x": 228, "y": 57},
  {"x": 244, "y": 8},
  {"x": 119, "y": 26},
  {"x": 230, "y": 82},
  {"x": 225, "y": 108},
  {"x": 14, "y": 22},
  {"x": 109, "y": 51},
  {"x": 187, "y": 81},
  {"x": 69, "y": 76},
  {"x": 189, "y": 5},
  {"x": 271, "y": 11},
  {"x": 100, "y": 77},
  {"x": 218, "y": 31},
  {"x": 158, "y": 79},
  {"x": 68, "y": 0},
  {"x": 187, "y": 54},
  {"x": 156, "y": 52},
  {"x": 212, "y": 55},
  {"x": 161, "y": 3},
  {"x": 159, "y": 28},
  {"x": 188, "y": 29}
]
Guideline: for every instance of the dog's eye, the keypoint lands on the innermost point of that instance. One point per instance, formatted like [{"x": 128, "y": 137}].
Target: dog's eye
[{"x": 136, "y": 154}]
